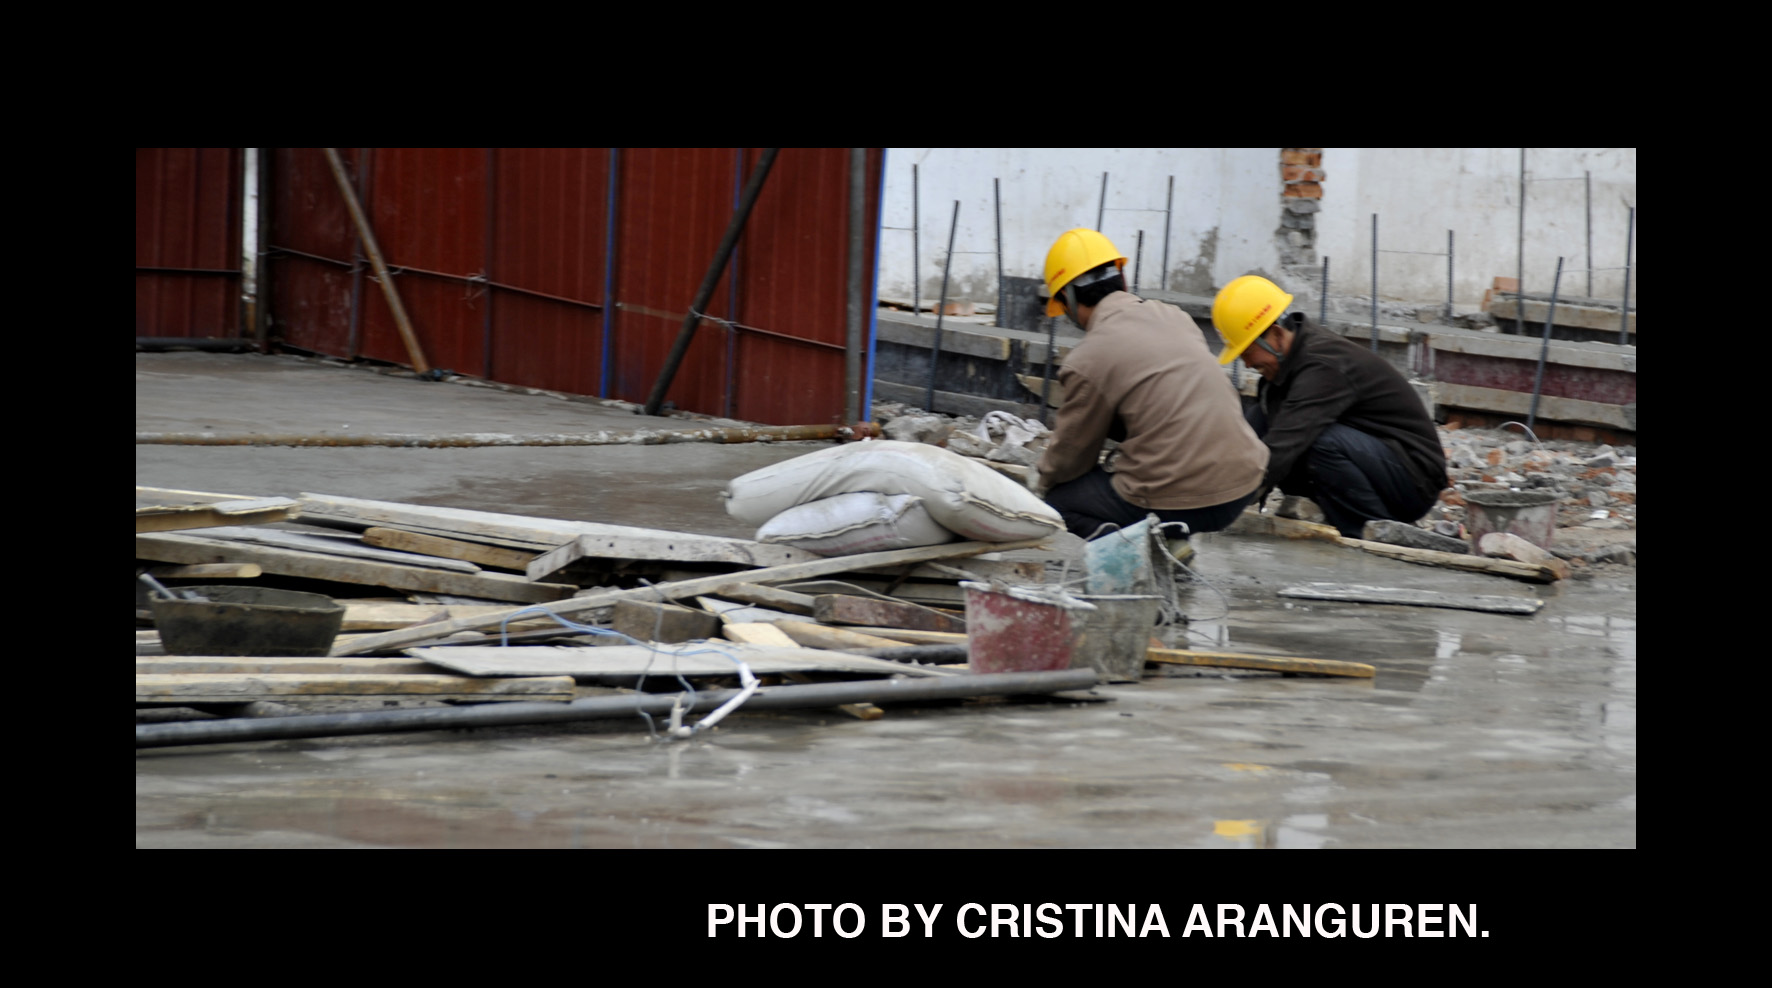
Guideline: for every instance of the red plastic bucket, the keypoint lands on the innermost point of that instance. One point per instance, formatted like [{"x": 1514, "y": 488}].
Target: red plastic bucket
[{"x": 1021, "y": 629}]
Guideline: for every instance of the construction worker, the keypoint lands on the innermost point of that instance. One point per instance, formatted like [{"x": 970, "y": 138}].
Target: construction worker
[
  {"x": 1341, "y": 425},
  {"x": 1144, "y": 377}
]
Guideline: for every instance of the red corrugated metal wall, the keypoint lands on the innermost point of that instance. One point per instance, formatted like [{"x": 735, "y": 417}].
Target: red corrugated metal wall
[
  {"x": 569, "y": 269},
  {"x": 187, "y": 242}
]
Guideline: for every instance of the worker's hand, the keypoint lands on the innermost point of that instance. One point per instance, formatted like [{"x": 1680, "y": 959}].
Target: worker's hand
[
  {"x": 1261, "y": 498},
  {"x": 1036, "y": 483}
]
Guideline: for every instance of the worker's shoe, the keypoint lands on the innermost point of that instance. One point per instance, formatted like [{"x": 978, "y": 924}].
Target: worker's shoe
[{"x": 1182, "y": 550}]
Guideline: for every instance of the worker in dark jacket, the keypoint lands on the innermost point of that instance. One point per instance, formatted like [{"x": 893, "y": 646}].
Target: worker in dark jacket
[{"x": 1342, "y": 426}]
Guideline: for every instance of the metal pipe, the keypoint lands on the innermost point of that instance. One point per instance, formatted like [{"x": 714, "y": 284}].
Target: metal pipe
[
  {"x": 1101, "y": 210},
  {"x": 1137, "y": 260},
  {"x": 916, "y": 237},
  {"x": 1323, "y": 302},
  {"x": 1046, "y": 385},
  {"x": 401, "y": 321},
  {"x": 858, "y": 169},
  {"x": 1588, "y": 180},
  {"x": 1374, "y": 282},
  {"x": 1448, "y": 275},
  {"x": 1168, "y": 208},
  {"x": 1550, "y": 320},
  {"x": 642, "y": 437},
  {"x": 1630, "y": 238},
  {"x": 606, "y": 372},
  {"x": 915, "y": 653},
  {"x": 607, "y": 707},
  {"x": 997, "y": 202},
  {"x": 947, "y": 265},
  {"x": 251, "y": 244},
  {"x": 722, "y": 254},
  {"x": 1520, "y": 257}
]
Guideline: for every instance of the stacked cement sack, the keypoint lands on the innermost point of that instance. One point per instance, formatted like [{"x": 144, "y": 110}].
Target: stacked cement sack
[{"x": 884, "y": 494}]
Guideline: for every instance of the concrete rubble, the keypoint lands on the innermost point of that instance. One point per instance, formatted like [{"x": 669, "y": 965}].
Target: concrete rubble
[{"x": 1595, "y": 483}]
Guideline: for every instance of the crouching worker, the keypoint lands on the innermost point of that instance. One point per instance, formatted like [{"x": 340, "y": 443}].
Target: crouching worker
[
  {"x": 1342, "y": 426},
  {"x": 1143, "y": 376}
]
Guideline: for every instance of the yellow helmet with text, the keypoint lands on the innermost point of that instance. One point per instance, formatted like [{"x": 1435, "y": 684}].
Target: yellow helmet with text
[
  {"x": 1076, "y": 252},
  {"x": 1243, "y": 310}
]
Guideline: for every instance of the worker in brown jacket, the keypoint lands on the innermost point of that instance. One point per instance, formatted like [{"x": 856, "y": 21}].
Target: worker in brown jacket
[
  {"x": 1144, "y": 377},
  {"x": 1343, "y": 427}
]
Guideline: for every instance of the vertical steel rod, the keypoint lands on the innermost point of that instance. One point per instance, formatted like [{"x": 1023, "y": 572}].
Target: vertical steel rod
[
  {"x": 709, "y": 280},
  {"x": 1168, "y": 208},
  {"x": 1137, "y": 260},
  {"x": 1101, "y": 210},
  {"x": 1374, "y": 282},
  {"x": 1544, "y": 348},
  {"x": 941, "y": 310},
  {"x": 997, "y": 200},
  {"x": 1323, "y": 302},
  {"x": 916, "y": 235},
  {"x": 1588, "y": 179},
  {"x": 1630, "y": 238},
  {"x": 251, "y": 245},
  {"x": 1520, "y": 256},
  {"x": 1448, "y": 275},
  {"x": 858, "y": 174},
  {"x": 1051, "y": 355}
]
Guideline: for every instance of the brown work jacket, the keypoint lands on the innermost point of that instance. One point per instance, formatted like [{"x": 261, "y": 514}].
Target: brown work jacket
[{"x": 1143, "y": 376}]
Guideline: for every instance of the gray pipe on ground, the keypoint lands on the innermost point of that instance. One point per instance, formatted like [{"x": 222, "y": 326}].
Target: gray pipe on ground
[{"x": 603, "y": 708}]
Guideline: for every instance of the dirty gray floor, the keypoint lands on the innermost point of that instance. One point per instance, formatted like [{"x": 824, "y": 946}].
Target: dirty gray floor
[{"x": 1480, "y": 730}]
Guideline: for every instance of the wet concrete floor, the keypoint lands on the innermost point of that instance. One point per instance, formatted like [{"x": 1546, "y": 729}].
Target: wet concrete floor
[{"x": 1480, "y": 730}]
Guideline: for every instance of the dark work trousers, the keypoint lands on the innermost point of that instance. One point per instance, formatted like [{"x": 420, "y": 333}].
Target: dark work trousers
[
  {"x": 1353, "y": 476},
  {"x": 1090, "y": 501}
]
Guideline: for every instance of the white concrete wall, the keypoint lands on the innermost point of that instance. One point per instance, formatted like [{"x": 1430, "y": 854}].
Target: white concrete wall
[
  {"x": 1420, "y": 193},
  {"x": 1226, "y": 209},
  {"x": 1227, "y": 212}
]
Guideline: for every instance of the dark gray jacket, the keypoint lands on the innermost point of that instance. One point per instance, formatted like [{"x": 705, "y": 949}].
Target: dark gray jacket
[{"x": 1325, "y": 378}]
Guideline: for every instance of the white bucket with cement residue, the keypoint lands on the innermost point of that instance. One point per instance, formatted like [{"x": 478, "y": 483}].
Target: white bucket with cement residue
[{"x": 1532, "y": 515}]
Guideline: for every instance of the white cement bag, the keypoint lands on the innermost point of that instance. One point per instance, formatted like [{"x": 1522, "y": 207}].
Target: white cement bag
[
  {"x": 962, "y": 496},
  {"x": 864, "y": 521}
]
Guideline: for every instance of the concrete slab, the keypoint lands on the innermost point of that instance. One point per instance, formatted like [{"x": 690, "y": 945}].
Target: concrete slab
[{"x": 1479, "y": 730}]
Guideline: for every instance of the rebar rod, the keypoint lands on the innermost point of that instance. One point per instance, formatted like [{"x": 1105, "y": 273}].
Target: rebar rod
[
  {"x": 947, "y": 266},
  {"x": 1550, "y": 319}
]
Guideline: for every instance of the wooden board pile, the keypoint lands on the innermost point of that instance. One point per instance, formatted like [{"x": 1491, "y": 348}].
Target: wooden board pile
[{"x": 669, "y": 604}]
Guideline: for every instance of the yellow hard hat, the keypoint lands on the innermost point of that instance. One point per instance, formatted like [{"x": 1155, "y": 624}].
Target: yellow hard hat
[
  {"x": 1243, "y": 310},
  {"x": 1076, "y": 252}
]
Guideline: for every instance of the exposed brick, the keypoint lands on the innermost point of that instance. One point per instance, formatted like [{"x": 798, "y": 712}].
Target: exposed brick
[
  {"x": 1451, "y": 498},
  {"x": 1303, "y": 190},
  {"x": 1496, "y": 456},
  {"x": 1582, "y": 433},
  {"x": 1623, "y": 497},
  {"x": 1293, "y": 156},
  {"x": 1598, "y": 471},
  {"x": 1313, "y": 160},
  {"x": 1506, "y": 284}
]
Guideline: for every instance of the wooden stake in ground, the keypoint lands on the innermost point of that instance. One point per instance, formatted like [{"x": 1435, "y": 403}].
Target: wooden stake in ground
[{"x": 1270, "y": 663}]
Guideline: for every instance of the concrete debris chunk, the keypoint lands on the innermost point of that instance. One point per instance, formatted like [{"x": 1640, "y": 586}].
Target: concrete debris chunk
[
  {"x": 1505, "y": 545},
  {"x": 1405, "y": 534}
]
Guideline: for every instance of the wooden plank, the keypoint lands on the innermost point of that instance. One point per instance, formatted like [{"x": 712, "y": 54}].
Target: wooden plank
[
  {"x": 1452, "y": 560},
  {"x": 1271, "y": 663},
  {"x": 336, "y": 545},
  {"x": 431, "y": 545},
  {"x": 909, "y": 636},
  {"x": 624, "y": 662},
  {"x": 818, "y": 636},
  {"x": 649, "y": 620},
  {"x": 846, "y": 609},
  {"x": 771, "y": 597},
  {"x": 1252, "y": 522},
  {"x": 382, "y": 616},
  {"x": 174, "y": 548},
  {"x": 207, "y": 571},
  {"x": 797, "y": 571},
  {"x": 758, "y": 633},
  {"x": 244, "y": 511},
  {"x": 1360, "y": 594},
  {"x": 591, "y": 552},
  {"x": 247, "y": 688},
  {"x": 734, "y": 613},
  {"x": 256, "y": 665}
]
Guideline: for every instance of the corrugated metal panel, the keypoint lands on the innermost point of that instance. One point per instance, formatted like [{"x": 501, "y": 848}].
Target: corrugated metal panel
[
  {"x": 551, "y": 214},
  {"x": 510, "y": 267},
  {"x": 187, "y": 242},
  {"x": 310, "y": 251}
]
